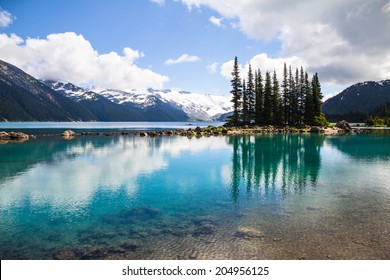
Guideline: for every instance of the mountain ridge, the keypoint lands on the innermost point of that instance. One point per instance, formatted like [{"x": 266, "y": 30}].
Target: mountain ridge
[
  {"x": 358, "y": 101},
  {"x": 24, "y": 98}
]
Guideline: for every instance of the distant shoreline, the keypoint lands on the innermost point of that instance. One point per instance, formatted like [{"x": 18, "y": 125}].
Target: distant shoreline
[{"x": 196, "y": 132}]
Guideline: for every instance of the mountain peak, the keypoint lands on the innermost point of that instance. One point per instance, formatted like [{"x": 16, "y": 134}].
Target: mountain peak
[{"x": 363, "y": 98}]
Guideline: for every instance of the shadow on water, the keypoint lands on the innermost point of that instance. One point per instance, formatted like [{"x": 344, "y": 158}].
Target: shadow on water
[{"x": 270, "y": 162}]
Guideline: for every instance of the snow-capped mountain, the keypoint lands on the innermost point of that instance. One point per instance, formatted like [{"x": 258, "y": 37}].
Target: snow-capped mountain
[
  {"x": 197, "y": 106},
  {"x": 72, "y": 91},
  {"x": 170, "y": 104}
]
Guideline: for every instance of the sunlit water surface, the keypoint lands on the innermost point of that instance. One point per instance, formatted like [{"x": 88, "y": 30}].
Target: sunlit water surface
[{"x": 252, "y": 197}]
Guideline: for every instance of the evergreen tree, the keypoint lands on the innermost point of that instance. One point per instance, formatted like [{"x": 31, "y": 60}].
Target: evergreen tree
[
  {"x": 293, "y": 99},
  {"x": 251, "y": 95},
  {"x": 309, "y": 107},
  {"x": 299, "y": 102},
  {"x": 317, "y": 95},
  {"x": 319, "y": 117},
  {"x": 259, "y": 89},
  {"x": 296, "y": 95},
  {"x": 277, "y": 115},
  {"x": 285, "y": 95},
  {"x": 267, "y": 116},
  {"x": 245, "y": 104},
  {"x": 236, "y": 92},
  {"x": 302, "y": 96}
]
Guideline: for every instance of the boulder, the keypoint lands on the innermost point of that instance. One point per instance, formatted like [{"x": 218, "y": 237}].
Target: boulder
[
  {"x": 153, "y": 134},
  {"x": 68, "y": 133},
  {"x": 315, "y": 129},
  {"x": 344, "y": 125},
  {"x": 18, "y": 136},
  {"x": 4, "y": 135},
  {"x": 14, "y": 136}
]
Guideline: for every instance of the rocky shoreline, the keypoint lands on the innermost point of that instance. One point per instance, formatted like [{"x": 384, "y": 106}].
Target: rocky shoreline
[{"x": 340, "y": 128}]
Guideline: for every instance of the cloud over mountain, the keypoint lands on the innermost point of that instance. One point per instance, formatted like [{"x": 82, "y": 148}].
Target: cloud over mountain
[{"x": 70, "y": 57}]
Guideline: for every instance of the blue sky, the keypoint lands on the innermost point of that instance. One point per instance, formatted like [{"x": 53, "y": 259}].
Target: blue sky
[{"x": 137, "y": 44}]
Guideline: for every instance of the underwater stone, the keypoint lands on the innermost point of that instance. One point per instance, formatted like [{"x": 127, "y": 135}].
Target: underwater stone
[
  {"x": 246, "y": 232},
  {"x": 203, "y": 230}
]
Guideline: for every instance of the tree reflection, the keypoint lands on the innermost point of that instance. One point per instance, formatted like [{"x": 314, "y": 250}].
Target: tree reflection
[{"x": 266, "y": 163}]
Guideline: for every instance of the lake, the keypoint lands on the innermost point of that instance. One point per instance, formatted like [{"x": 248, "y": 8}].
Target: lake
[{"x": 246, "y": 197}]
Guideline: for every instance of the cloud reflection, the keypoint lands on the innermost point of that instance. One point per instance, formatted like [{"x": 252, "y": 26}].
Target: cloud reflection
[{"x": 72, "y": 176}]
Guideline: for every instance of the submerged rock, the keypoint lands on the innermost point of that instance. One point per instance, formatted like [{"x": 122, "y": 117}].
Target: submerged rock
[
  {"x": 203, "y": 230},
  {"x": 67, "y": 254},
  {"x": 129, "y": 246},
  {"x": 246, "y": 232}
]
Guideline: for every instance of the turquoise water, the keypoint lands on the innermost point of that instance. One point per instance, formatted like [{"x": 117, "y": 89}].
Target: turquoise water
[{"x": 252, "y": 197}]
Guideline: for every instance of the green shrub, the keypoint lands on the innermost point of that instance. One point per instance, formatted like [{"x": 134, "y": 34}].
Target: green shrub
[{"x": 321, "y": 120}]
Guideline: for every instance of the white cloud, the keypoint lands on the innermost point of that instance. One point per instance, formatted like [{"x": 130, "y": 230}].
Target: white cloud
[
  {"x": 345, "y": 41},
  {"x": 227, "y": 68},
  {"x": 212, "y": 68},
  {"x": 5, "y": 18},
  {"x": 265, "y": 63},
  {"x": 182, "y": 59},
  {"x": 160, "y": 2},
  {"x": 70, "y": 57},
  {"x": 216, "y": 21}
]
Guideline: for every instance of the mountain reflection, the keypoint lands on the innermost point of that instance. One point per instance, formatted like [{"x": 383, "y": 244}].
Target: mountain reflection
[
  {"x": 269, "y": 162},
  {"x": 373, "y": 146}
]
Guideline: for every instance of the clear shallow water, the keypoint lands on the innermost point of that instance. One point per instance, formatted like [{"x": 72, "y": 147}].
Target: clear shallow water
[{"x": 263, "y": 197}]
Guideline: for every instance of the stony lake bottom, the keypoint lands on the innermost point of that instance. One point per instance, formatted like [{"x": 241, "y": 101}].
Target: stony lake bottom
[{"x": 272, "y": 196}]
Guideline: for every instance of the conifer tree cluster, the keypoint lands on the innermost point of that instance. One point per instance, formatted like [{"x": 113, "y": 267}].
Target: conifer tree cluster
[{"x": 264, "y": 101}]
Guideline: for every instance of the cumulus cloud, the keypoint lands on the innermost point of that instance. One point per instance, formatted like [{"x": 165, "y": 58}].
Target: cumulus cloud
[
  {"x": 226, "y": 69},
  {"x": 345, "y": 41},
  {"x": 182, "y": 59},
  {"x": 6, "y": 18},
  {"x": 264, "y": 63},
  {"x": 212, "y": 68},
  {"x": 216, "y": 21},
  {"x": 70, "y": 57}
]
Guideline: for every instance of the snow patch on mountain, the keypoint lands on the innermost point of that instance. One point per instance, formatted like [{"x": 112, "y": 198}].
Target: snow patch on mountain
[
  {"x": 197, "y": 106},
  {"x": 70, "y": 90}
]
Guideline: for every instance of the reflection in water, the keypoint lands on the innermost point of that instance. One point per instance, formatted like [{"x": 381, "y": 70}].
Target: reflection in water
[
  {"x": 288, "y": 162},
  {"x": 294, "y": 196},
  {"x": 71, "y": 172}
]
